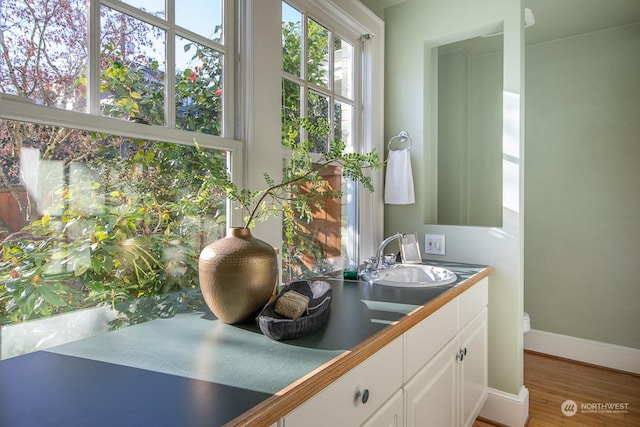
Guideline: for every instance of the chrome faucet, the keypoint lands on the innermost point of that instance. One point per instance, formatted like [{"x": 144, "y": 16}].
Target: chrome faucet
[{"x": 380, "y": 255}]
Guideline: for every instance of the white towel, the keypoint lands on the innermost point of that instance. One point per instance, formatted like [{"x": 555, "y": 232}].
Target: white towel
[{"x": 398, "y": 188}]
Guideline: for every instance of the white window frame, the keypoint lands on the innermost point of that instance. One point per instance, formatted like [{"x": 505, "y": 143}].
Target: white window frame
[
  {"x": 92, "y": 121},
  {"x": 353, "y": 21}
]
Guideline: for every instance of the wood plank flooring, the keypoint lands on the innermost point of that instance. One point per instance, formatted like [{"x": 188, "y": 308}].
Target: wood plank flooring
[{"x": 602, "y": 397}]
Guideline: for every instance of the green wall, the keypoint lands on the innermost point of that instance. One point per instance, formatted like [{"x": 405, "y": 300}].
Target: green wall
[
  {"x": 413, "y": 28},
  {"x": 453, "y": 138},
  {"x": 470, "y": 139},
  {"x": 582, "y": 186}
]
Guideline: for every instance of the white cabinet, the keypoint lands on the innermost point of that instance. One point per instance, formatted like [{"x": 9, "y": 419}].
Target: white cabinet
[
  {"x": 473, "y": 368},
  {"x": 357, "y": 395},
  {"x": 433, "y": 375},
  {"x": 451, "y": 387},
  {"x": 430, "y": 396},
  {"x": 391, "y": 414}
]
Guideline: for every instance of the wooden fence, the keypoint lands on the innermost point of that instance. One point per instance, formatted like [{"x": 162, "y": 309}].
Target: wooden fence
[{"x": 11, "y": 219}]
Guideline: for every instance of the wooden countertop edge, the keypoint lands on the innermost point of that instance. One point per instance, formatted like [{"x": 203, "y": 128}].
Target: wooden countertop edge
[{"x": 286, "y": 400}]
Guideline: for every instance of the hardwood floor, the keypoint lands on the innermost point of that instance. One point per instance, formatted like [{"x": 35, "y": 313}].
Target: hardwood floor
[{"x": 602, "y": 397}]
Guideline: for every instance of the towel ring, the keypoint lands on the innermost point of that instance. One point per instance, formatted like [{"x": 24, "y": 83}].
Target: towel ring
[{"x": 401, "y": 141}]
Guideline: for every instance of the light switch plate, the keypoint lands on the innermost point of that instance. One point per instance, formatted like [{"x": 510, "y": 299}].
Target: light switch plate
[{"x": 434, "y": 244}]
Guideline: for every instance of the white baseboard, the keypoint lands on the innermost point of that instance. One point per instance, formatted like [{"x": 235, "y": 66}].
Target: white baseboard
[
  {"x": 505, "y": 408},
  {"x": 587, "y": 351}
]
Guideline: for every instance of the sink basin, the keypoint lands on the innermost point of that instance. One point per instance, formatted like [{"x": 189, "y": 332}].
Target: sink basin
[{"x": 414, "y": 276}]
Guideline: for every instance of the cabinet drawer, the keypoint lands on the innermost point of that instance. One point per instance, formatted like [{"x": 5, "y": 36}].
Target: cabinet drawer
[
  {"x": 425, "y": 339},
  {"x": 338, "y": 404},
  {"x": 472, "y": 301}
]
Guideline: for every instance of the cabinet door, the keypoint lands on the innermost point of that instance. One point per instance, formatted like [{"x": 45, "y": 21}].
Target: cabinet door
[
  {"x": 428, "y": 337},
  {"x": 431, "y": 396},
  {"x": 391, "y": 414},
  {"x": 473, "y": 368}
]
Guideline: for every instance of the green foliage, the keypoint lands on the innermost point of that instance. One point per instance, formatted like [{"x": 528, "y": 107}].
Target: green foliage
[
  {"x": 131, "y": 244},
  {"x": 134, "y": 90},
  {"x": 316, "y": 73},
  {"x": 199, "y": 92},
  {"x": 301, "y": 189}
]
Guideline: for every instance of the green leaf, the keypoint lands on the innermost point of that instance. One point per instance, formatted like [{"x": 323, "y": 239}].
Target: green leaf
[
  {"x": 95, "y": 286},
  {"x": 96, "y": 265},
  {"x": 101, "y": 235},
  {"x": 45, "y": 219},
  {"x": 79, "y": 270},
  {"x": 51, "y": 297},
  {"x": 60, "y": 254}
]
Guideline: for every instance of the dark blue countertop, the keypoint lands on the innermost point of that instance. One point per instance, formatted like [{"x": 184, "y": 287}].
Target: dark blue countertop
[{"x": 192, "y": 369}]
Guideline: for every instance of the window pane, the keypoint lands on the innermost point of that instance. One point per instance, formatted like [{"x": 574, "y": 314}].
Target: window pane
[
  {"x": 111, "y": 221},
  {"x": 198, "y": 87},
  {"x": 290, "y": 106},
  {"x": 291, "y": 40},
  {"x": 343, "y": 129},
  {"x": 132, "y": 68},
  {"x": 316, "y": 248},
  {"x": 317, "y": 54},
  {"x": 153, "y": 7},
  {"x": 324, "y": 95},
  {"x": 201, "y": 17},
  {"x": 318, "y": 110},
  {"x": 343, "y": 68},
  {"x": 28, "y": 33}
]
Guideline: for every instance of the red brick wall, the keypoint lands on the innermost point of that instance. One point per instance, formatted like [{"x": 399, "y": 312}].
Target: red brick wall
[
  {"x": 9, "y": 209},
  {"x": 327, "y": 222}
]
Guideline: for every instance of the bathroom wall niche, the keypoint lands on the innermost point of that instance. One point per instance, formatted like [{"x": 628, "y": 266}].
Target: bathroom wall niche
[{"x": 469, "y": 132}]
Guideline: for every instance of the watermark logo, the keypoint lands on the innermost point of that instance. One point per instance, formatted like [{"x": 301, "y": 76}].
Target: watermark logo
[{"x": 569, "y": 408}]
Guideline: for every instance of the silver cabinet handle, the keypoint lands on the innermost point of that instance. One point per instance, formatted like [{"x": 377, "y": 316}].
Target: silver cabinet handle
[
  {"x": 461, "y": 354},
  {"x": 363, "y": 395}
]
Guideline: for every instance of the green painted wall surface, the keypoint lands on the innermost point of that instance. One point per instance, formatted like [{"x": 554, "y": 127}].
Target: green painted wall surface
[
  {"x": 582, "y": 186},
  {"x": 485, "y": 141},
  {"x": 470, "y": 139},
  {"x": 453, "y": 138},
  {"x": 412, "y": 29}
]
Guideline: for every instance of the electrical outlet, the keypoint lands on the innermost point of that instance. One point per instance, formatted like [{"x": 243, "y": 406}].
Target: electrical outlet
[{"x": 434, "y": 244}]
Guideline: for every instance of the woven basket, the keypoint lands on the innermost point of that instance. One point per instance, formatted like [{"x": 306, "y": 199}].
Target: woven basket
[{"x": 278, "y": 327}]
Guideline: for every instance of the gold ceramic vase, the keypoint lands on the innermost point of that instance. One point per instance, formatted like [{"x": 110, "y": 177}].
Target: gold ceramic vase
[{"x": 237, "y": 275}]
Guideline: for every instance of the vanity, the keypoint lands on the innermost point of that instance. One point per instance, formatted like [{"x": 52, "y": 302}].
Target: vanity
[{"x": 386, "y": 356}]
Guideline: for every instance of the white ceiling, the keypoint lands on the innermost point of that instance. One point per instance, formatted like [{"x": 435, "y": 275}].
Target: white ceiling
[
  {"x": 387, "y": 3},
  {"x": 562, "y": 18}
]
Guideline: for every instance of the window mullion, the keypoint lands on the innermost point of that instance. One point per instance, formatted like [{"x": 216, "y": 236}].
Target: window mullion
[
  {"x": 330, "y": 84},
  {"x": 137, "y": 13},
  {"x": 93, "y": 66},
  {"x": 170, "y": 66},
  {"x": 303, "y": 71},
  {"x": 228, "y": 67}
]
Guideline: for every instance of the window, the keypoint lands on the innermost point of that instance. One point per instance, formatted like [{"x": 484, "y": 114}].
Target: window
[
  {"x": 318, "y": 75},
  {"x": 100, "y": 104},
  {"x": 112, "y": 220},
  {"x": 100, "y": 179},
  {"x": 140, "y": 67}
]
